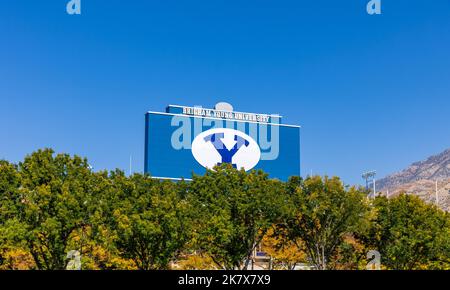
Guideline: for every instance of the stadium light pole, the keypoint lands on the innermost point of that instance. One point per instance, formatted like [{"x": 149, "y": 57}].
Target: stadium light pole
[{"x": 370, "y": 176}]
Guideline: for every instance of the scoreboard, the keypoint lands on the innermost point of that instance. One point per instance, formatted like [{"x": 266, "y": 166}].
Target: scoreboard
[{"x": 186, "y": 140}]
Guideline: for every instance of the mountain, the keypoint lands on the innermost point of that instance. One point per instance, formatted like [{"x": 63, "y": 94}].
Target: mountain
[{"x": 420, "y": 179}]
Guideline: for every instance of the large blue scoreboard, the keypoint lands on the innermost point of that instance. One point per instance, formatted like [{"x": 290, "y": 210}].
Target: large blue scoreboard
[{"x": 186, "y": 140}]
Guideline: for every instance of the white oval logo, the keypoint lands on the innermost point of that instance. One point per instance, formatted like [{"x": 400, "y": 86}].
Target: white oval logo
[{"x": 221, "y": 145}]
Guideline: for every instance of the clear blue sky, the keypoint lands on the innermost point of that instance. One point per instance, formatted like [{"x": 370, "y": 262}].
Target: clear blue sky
[{"x": 370, "y": 92}]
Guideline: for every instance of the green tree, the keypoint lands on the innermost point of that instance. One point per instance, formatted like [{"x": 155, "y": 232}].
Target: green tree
[
  {"x": 322, "y": 213},
  {"x": 150, "y": 220},
  {"x": 95, "y": 239},
  {"x": 234, "y": 210},
  {"x": 9, "y": 190},
  {"x": 410, "y": 234},
  {"x": 12, "y": 255},
  {"x": 57, "y": 193}
]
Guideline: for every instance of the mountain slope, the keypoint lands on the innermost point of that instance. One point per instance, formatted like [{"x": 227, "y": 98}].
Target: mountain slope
[{"x": 420, "y": 179}]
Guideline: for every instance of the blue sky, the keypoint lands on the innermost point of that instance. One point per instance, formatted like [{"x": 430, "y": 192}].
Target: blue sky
[{"x": 370, "y": 92}]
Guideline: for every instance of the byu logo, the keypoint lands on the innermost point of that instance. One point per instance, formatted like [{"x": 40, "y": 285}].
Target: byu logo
[{"x": 221, "y": 145}]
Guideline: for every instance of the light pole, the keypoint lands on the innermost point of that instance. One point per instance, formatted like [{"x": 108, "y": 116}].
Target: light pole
[{"x": 370, "y": 176}]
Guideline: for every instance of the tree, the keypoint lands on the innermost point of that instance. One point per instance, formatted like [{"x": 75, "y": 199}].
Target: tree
[
  {"x": 234, "y": 210},
  {"x": 9, "y": 190},
  {"x": 57, "y": 193},
  {"x": 322, "y": 213},
  {"x": 196, "y": 261},
  {"x": 12, "y": 253},
  {"x": 410, "y": 234},
  {"x": 51, "y": 204},
  {"x": 351, "y": 254},
  {"x": 95, "y": 240},
  {"x": 151, "y": 221},
  {"x": 285, "y": 254}
]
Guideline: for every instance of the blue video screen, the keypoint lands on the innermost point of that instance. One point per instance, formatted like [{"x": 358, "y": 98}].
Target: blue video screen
[{"x": 177, "y": 146}]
